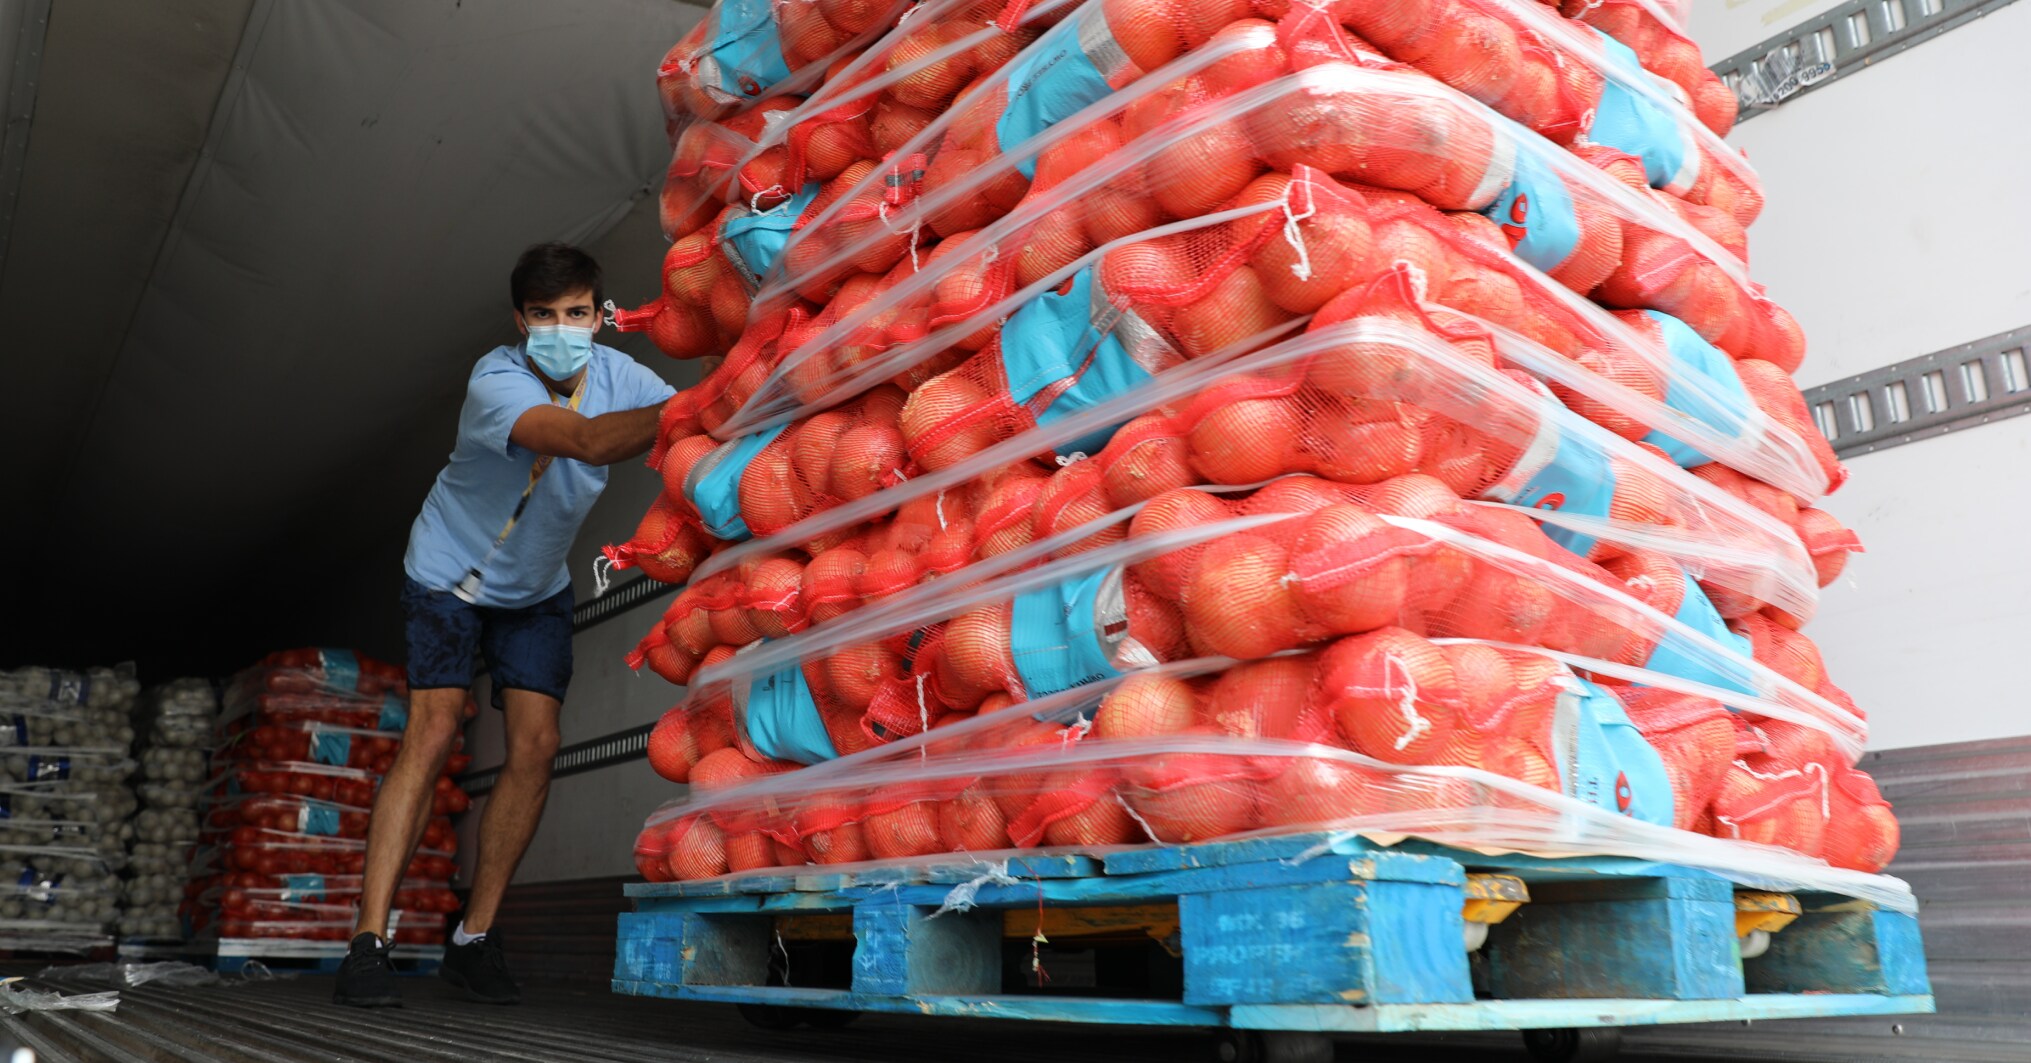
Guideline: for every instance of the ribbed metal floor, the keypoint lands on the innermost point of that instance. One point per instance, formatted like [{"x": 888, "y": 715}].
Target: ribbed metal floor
[{"x": 293, "y": 1021}]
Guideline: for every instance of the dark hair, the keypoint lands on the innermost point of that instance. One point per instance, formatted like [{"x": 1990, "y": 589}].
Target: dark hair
[{"x": 547, "y": 271}]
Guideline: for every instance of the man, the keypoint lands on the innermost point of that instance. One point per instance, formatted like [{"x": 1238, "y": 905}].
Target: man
[{"x": 486, "y": 575}]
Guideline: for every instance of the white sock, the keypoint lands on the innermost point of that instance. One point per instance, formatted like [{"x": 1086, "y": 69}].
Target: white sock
[{"x": 460, "y": 937}]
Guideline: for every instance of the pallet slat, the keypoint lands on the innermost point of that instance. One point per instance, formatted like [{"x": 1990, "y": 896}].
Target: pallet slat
[{"x": 1299, "y": 932}]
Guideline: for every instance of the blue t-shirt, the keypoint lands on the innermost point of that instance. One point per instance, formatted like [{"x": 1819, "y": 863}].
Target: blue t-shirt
[{"x": 476, "y": 493}]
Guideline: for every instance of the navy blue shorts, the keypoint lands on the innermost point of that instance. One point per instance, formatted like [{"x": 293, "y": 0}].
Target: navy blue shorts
[{"x": 525, "y": 649}]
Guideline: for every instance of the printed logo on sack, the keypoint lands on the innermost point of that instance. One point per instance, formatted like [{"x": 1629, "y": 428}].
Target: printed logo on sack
[
  {"x": 749, "y": 86},
  {"x": 1555, "y": 500},
  {"x": 1519, "y": 218},
  {"x": 39, "y": 887},
  {"x": 1624, "y": 795}
]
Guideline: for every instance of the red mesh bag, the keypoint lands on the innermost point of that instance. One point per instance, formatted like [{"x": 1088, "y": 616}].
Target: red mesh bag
[
  {"x": 957, "y": 162},
  {"x": 312, "y": 670},
  {"x": 713, "y": 161},
  {"x": 1664, "y": 51},
  {"x": 1695, "y": 736},
  {"x": 1828, "y": 541},
  {"x": 735, "y": 57},
  {"x": 1403, "y": 654},
  {"x": 1792, "y": 655},
  {"x": 1670, "y": 276},
  {"x": 1770, "y": 387},
  {"x": 1862, "y": 832},
  {"x": 667, "y": 545},
  {"x": 811, "y": 465},
  {"x": 1194, "y": 766},
  {"x": 1548, "y": 75},
  {"x": 681, "y": 739}
]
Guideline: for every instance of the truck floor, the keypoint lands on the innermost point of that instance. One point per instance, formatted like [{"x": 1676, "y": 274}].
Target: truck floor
[{"x": 292, "y": 1020}]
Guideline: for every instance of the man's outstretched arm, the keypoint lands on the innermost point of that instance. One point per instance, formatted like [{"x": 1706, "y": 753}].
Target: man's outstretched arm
[{"x": 601, "y": 440}]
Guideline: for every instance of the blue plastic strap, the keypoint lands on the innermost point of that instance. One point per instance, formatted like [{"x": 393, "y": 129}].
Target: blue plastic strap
[
  {"x": 1536, "y": 211},
  {"x": 1056, "y": 635},
  {"x": 782, "y": 719},
  {"x": 1052, "y": 339},
  {"x": 1605, "y": 760},
  {"x": 1579, "y": 478},
  {"x": 1675, "y": 655},
  {"x": 716, "y": 494},
  {"x": 394, "y": 713},
  {"x": 318, "y": 817},
  {"x": 331, "y": 747},
  {"x": 748, "y": 48},
  {"x": 303, "y": 887},
  {"x": 1633, "y": 124},
  {"x": 1046, "y": 85},
  {"x": 341, "y": 669},
  {"x": 1693, "y": 358},
  {"x": 757, "y": 238},
  {"x": 46, "y": 769}
]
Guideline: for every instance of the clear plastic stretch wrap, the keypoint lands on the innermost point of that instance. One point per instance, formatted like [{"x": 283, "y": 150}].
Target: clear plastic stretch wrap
[
  {"x": 310, "y": 677},
  {"x": 1642, "y": 375},
  {"x": 57, "y": 688},
  {"x": 321, "y": 743},
  {"x": 314, "y": 907},
  {"x": 304, "y": 740},
  {"x": 346, "y": 786},
  {"x": 178, "y": 720},
  {"x": 1207, "y": 749},
  {"x": 1658, "y": 38},
  {"x": 304, "y": 845},
  {"x": 328, "y": 923},
  {"x": 1147, "y": 422},
  {"x": 943, "y": 304},
  {"x": 65, "y": 744},
  {"x": 1392, "y": 130},
  {"x": 1375, "y": 394}
]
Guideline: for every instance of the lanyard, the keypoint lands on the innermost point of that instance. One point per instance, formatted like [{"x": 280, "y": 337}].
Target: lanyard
[{"x": 536, "y": 471}]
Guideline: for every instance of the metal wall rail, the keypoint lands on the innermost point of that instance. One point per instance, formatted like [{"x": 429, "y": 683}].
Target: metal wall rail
[
  {"x": 1840, "y": 42},
  {"x": 636, "y": 592},
  {"x": 1955, "y": 389},
  {"x": 620, "y": 747}
]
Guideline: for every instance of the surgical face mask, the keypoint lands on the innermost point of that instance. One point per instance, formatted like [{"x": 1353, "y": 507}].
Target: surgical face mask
[{"x": 559, "y": 350}]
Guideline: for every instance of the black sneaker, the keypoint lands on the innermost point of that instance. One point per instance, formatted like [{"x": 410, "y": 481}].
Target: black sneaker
[
  {"x": 481, "y": 970},
  {"x": 366, "y": 979}
]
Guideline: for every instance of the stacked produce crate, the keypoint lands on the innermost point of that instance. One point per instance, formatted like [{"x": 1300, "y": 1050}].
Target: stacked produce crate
[
  {"x": 175, "y": 721},
  {"x": 303, "y": 741},
  {"x": 64, "y": 804},
  {"x": 1153, "y": 422}
]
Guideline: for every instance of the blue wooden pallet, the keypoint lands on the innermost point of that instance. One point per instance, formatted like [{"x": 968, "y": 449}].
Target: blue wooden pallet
[
  {"x": 232, "y": 955},
  {"x": 1299, "y": 932}
]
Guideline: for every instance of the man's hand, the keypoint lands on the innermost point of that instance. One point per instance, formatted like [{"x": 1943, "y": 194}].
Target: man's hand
[{"x": 602, "y": 440}]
